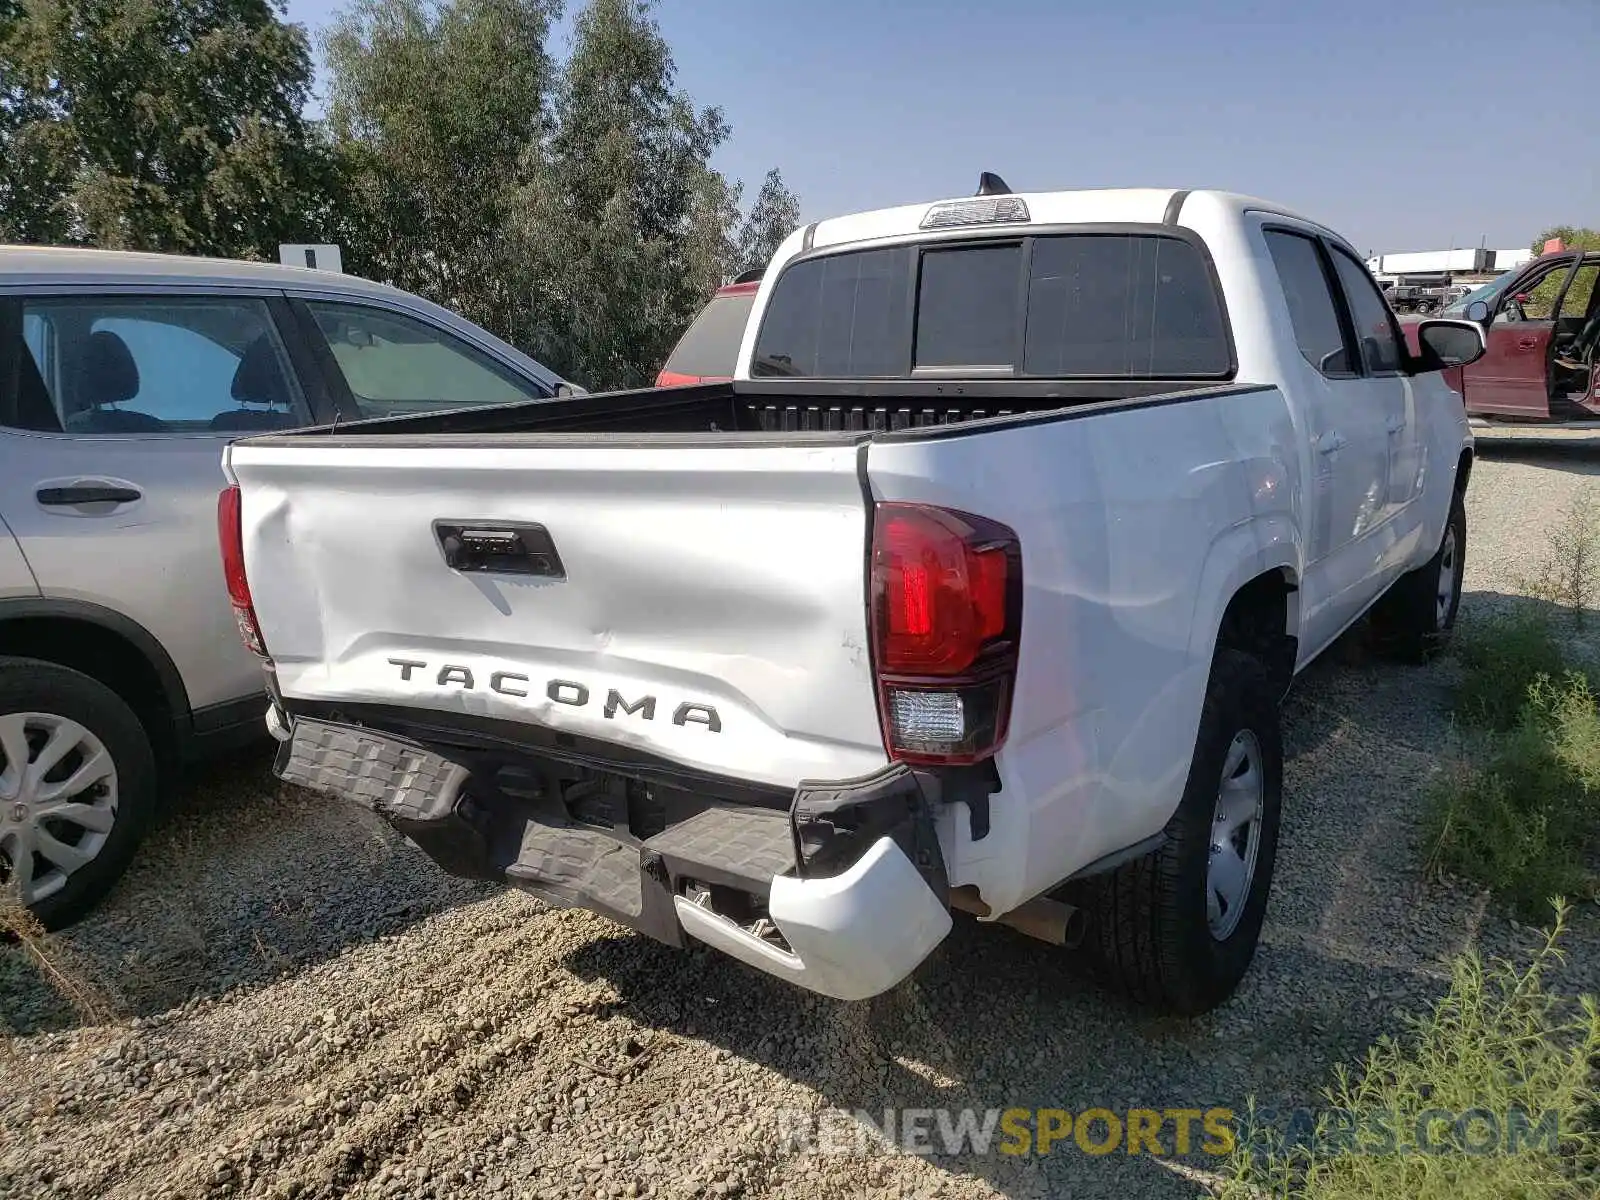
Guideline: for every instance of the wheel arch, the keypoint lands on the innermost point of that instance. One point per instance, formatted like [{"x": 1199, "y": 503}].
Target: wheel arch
[
  {"x": 1249, "y": 596},
  {"x": 109, "y": 647},
  {"x": 1262, "y": 619}
]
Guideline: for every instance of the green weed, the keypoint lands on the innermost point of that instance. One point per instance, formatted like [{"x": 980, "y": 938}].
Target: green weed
[{"x": 1491, "y": 1097}]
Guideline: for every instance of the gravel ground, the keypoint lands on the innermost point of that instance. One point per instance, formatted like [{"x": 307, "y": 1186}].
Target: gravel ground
[{"x": 308, "y": 1007}]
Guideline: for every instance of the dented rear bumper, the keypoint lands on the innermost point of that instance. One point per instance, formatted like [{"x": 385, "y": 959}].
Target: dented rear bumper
[{"x": 841, "y": 890}]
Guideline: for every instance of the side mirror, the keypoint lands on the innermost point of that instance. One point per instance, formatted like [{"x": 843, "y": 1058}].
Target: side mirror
[
  {"x": 1522, "y": 297},
  {"x": 571, "y": 389},
  {"x": 1445, "y": 344},
  {"x": 1478, "y": 311}
]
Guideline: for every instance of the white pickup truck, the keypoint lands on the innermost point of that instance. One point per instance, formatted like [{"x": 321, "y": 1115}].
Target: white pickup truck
[{"x": 978, "y": 588}]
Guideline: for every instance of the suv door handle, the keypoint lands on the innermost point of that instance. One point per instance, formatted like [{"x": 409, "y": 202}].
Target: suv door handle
[
  {"x": 1396, "y": 424},
  {"x": 1527, "y": 343},
  {"x": 87, "y": 493},
  {"x": 1331, "y": 442}
]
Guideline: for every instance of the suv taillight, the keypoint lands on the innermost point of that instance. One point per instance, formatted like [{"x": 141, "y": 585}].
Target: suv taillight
[
  {"x": 230, "y": 535},
  {"x": 946, "y": 627}
]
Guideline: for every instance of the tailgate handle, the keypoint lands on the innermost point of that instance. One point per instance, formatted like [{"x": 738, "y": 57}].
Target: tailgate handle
[{"x": 499, "y": 548}]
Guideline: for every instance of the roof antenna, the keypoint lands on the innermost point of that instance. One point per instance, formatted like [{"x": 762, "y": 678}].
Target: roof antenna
[{"x": 990, "y": 184}]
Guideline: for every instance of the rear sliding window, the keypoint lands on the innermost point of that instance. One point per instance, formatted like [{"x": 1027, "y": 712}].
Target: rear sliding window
[
  {"x": 1068, "y": 305},
  {"x": 710, "y": 346}
]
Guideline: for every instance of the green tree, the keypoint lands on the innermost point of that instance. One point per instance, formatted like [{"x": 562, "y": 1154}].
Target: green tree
[
  {"x": 774, "y": 215},
  {"x": 169, "y": 125},
  {"x": 33, "y": 160},
  {"x": 439, "y": 111},
  {"x": 571, "y": 209},
  {"x": 1576, "y": 300},
  {"x": 626, "y": 226},
  {"x": 1574, "y": 236}
]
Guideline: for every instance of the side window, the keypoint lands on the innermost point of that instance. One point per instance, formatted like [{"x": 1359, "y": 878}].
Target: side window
[
  {"x": 26, "y": 360},
  {"x": 395, "y": 364},
  {"x": 1312, "y": 308},
  {"x": 1375, "y": 327},
  {"x": 1534, "y": 300},
  {"x": 156, "y": 364},
  {"x": 1575, "y": 304},
  {"x": 36, "y": 337}
]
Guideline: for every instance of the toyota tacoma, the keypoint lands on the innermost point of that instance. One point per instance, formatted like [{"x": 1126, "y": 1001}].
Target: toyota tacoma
[{"x": 976, "y": 589}]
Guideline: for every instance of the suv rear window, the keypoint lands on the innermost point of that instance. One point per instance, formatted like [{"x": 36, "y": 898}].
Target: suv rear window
[
  {"x": 710, "y": 346},
  {"x": 1089, "y": 305}
]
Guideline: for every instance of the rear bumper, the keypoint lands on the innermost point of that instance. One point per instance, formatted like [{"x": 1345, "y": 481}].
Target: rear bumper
[
  {"x": 843, "y": 892},
  {"x": 849, "y": 936}
]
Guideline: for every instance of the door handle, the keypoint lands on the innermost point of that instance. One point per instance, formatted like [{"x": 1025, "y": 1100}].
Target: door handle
[
  {"x": 87, "y": 493},
  {"x": 1396, "y": 424},
  {"x": 1331, "y": 442},
  {"x": 1527, "y": 343}
]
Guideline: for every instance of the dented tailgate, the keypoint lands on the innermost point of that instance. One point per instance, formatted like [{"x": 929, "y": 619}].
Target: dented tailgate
[{"x": 703, "y": 603}]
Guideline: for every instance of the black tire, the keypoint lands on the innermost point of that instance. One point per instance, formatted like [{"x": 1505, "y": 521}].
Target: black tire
[
  {"x": 1409, "y": 621},
  {"x": 1148, "y": 927},
  {"x": 33, "y": 686}
]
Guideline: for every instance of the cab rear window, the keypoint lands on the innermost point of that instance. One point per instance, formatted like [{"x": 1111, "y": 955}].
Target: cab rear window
[{"x": 1089, "y": 305}]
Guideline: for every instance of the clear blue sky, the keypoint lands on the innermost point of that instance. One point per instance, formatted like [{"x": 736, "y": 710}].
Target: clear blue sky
[{"x": 1405, "y": 124}]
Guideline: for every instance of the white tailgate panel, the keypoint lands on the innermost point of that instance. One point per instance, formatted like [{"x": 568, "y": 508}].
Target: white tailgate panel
[{"x": 730, "y": 577}]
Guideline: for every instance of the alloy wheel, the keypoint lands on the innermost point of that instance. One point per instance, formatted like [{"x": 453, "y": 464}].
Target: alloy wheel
[{"x": 58, "y": 801}]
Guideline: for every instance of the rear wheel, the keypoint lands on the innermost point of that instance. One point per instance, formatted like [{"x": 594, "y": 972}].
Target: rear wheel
[
  {"x": 1414, "y": 619},
  {"x": 77, "y": 788},
  {"x": 1177, "y": 929}
]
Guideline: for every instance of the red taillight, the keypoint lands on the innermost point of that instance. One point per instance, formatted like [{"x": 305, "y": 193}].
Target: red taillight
[
  {"x": 946, "y": 623},
  {"x": 230, "y": 537}
]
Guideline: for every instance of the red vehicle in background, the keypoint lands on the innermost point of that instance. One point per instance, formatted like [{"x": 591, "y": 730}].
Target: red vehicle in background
[
  {"x": 1542, "y": 327},
  {"x": 708, "y": 348}
]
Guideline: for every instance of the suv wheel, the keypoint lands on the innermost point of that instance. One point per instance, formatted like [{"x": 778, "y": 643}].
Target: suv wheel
[
  {"x": 1177, "y": 929},
  {"x": 77, "y": 788}
]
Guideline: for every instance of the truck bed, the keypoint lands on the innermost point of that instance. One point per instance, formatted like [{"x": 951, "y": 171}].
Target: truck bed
[
  {"x": 702, "y": 546},
  {"x": 686, "y": 601},
  {"x": 852, "y": 408}
]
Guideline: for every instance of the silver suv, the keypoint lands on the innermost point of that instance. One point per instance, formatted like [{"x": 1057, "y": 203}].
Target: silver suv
[{"x": 121, "y": 378}]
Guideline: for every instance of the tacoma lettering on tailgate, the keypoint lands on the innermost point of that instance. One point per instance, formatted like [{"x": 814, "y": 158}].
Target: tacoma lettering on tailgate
[{"x": 559, "y": 691}]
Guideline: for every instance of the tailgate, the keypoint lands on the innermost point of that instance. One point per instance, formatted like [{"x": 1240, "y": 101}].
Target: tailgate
[{"x": 703, "y": 603}]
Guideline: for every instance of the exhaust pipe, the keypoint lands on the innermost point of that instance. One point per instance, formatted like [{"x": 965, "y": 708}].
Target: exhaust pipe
[{"x": 1043, "y": 918}]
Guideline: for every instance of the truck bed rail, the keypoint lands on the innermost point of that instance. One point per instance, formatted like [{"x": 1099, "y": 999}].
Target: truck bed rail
[{"x": 814, "y": 406}]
